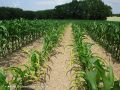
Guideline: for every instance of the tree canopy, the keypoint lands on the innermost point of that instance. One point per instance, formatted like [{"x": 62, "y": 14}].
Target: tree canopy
[{"x": 82, "y": 9}]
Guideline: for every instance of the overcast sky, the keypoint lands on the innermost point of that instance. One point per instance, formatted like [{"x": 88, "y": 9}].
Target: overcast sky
[{"x": 49, "y": 4}]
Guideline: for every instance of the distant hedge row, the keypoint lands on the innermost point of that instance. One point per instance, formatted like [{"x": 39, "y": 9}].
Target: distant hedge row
[
  {"x": 118, "y": 15},
  {"x": 84, "y": 9}
]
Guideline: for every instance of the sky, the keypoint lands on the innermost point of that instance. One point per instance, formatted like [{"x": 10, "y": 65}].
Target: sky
[{"x": 49, "y": 4}]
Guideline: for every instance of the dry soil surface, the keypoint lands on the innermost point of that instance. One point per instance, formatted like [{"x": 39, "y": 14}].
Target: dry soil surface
[{"x": 58, "y": 78}]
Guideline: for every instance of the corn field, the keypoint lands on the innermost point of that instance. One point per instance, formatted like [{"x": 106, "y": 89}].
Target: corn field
[{"x": 90, "y": 72}]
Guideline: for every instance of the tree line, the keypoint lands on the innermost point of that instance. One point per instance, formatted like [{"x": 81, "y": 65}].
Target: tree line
[
  {"x": 83, "y": 9},
  {"x": 118, "y": 15}
]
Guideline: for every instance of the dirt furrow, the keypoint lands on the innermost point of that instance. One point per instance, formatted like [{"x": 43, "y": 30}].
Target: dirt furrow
[{"x": 58, "y": 78}]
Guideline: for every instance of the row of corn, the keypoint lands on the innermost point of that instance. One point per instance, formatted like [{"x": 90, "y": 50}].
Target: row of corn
[
  {"x": 106, "y": 34},
  {"x": 90, "y": 72},
  {"x": 37, "y": 69},
  {"x": 15, "y": 34}
]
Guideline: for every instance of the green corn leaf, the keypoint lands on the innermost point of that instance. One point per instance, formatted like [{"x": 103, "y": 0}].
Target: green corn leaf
[
  {"x": 91, "y": 78},
  {"x": 108, "y": 80}
]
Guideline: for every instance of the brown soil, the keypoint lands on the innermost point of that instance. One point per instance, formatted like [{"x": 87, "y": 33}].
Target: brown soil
[
  {"x": 102, "y": 53},
  {"x": 58, "y": 78},
  {"x": 20, "y": 57}
]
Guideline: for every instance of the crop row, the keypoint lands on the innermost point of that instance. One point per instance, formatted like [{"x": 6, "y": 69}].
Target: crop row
[
  {"x": 37, "y": 67},
  {"x": 17, "y": 33},
  {"x": 105, "y": 33},
  {"x": 89, "y": 70}
]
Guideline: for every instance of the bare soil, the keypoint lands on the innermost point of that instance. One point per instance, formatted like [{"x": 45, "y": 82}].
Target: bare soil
[
  {"x": 102, "y": 53},
  {"x": 59, "y": 80},
  {"x": 20, "y": 57}
]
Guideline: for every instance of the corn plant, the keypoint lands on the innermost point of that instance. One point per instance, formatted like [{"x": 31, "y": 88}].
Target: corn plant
[
  {"x": 4, "y": 84},
  {"x": 3, "y": 40},
  {"x": 36, "y": 67},
  {"x": 19, "y": 77}
]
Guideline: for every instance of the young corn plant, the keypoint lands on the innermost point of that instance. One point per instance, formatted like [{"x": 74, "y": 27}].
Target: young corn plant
[
  {"x": 19, "y": 77},
  {"x": 36, "y": 67},
  {"x": 4, "y": 84}
]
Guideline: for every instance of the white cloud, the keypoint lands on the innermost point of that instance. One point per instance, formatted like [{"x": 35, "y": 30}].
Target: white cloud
[
  {"x": 115, "y": 4},
  {"x": 50, "y": 4},
  {"x": 111, "y": 1}
]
